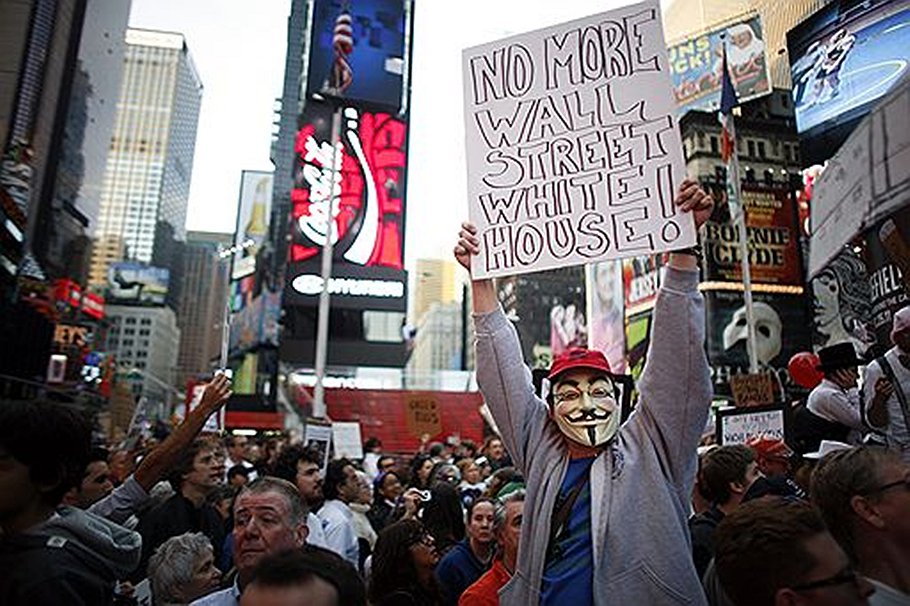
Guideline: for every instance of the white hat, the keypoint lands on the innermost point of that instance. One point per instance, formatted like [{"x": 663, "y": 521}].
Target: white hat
[
  {"x": 901, "y": 321},
  {"x": 826, "y": 447}
]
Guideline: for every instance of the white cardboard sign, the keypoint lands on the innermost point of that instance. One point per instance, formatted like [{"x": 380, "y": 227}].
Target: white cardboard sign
[
  {"x": 573, "y": 149},
  {"x": 346, "y": 440}
]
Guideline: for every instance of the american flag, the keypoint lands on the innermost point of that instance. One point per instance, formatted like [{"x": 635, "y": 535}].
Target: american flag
[
  {"x": 728, "y": 101},
  {"x": 343, "y": 44}
]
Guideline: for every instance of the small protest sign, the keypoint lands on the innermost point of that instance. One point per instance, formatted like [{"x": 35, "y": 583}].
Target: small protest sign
[
  {"x": 752, "y": 390},
  {"x": 318, "y": 436},
  {"x": 422, "y": 416},
  {"x": 739, "y": 425},
  {"x": 346, "y": 440},
  {"x": 573, "y": 149}
]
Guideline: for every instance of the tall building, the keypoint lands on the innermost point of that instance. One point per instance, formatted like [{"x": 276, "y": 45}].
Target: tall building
[
  {"x": 435, "y": 283},
  {"x": 202, "y": 302},
  {"x": 61, "y": 240},
  {"x": 145, "y": 342},
  {"x": 150, "y": 164},
  {"x": 684, "y": 18},
  {"x": 438, "y": 343}
]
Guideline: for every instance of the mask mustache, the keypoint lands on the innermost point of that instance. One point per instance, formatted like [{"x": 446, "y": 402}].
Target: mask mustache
[{"x": 588, "y": 415}]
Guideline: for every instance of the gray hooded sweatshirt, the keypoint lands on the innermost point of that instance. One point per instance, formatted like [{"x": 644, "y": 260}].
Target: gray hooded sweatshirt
[
  {"x": 640, "y": 484},
  {"x": 73, "y": 558}
]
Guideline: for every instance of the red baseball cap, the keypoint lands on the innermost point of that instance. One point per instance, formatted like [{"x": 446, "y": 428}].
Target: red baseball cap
[
  {"x": 578, "y": 357},
  {"x": 769, "y": 447}
]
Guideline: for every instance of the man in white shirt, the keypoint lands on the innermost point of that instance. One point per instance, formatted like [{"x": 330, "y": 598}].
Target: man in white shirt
[
  {"x": 884, "y": 409},
  {"x": 836, "y": 399},
  {"x": 340, "y": 488},
  {"x": 303, "y": 467}
]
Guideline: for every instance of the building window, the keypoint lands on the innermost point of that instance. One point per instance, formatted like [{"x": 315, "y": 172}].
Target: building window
[
  {"x": 130, "y": 321},
  {"x": 720, "y": 173},
  {"x": 761, "y": 149},
  {"x": 715, "y": 147},
  {"x": 129, "y": 331},
  {"x": 750, "y": 175},
  {"x": 750, "y": 145}
]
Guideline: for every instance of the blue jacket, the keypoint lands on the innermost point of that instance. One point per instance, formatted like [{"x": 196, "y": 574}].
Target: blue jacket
[{"x": 457, "y": 571}]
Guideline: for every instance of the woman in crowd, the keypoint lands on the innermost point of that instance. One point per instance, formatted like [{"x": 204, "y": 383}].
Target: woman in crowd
[
  {"x": 443, "y": 516},
  {"x": 183, "y": 569},
  {"x": 472, "y": 486},
  {"x": 468, "y": 559},
  {"x": 366, "y": 535},
  {"x": 387, "y": 491},
  {"x": 403, "y": 564},
  {"x": 421, "y": 468}
]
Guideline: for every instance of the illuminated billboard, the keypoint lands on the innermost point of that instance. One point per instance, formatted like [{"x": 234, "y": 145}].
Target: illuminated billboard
[
  {"x": 368, "y": 205},
  {"x": 695, "y": 65},
  {"x": 843, "y": 59},
  {"x": 252, "y": 228},
  {"x": 378, "y": 58},
  {"x": 773, "y": 236},
  {"x": 131, "y": 283}
]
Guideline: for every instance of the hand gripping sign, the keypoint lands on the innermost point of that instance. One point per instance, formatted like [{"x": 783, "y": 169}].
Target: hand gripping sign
[{"x": 573, "y": 149}]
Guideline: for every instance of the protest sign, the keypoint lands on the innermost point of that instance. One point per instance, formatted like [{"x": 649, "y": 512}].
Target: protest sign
[
  {"x": 573, "y": 149},
  {"x": 318, "y": 436},
  {"x": 422, "y": 415},
  {"x": 346, "y": 440},
  {"x": 739, "y": 425},
  {"x": 752, "y": 390}
]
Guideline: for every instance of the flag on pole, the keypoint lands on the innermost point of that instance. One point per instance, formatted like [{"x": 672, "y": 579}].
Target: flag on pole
[
  {"x": 728, "y": 101},
  {"x": 343, "y": 45}
]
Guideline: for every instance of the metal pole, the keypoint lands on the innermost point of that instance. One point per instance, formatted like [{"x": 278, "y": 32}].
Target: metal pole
[
  {"x": 322, "y": 331},
  {"x": 744, "y": 254}
]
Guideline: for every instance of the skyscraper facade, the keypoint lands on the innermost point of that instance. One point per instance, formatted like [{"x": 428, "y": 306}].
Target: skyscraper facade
[
  {"x": 203, "y": 297},
  {"x": 435, "y": 283},
  {"x": 150, "y": 163}
]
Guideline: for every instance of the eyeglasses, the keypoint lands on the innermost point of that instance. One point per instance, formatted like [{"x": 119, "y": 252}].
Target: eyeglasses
[
  {"x": 842, "y": 578},
  {"x": 572, "y": 395},
  {"x": 905, "y": 482}
]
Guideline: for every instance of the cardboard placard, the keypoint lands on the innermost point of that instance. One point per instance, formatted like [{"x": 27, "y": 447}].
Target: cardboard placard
[
  {"x": 346, "y": 440},
  {"x": 422, "y": 416},
  {"x": 739, "y": 425},
  {"x": 573, "y": 149},
  {"x": 752, "y": 390}
]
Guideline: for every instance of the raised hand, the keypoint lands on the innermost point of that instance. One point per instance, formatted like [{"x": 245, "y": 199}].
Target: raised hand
[
  {"x": 692, "y": 198},
  {"x": 468, "y": 245},
  {"x": 216, "y": 393}
]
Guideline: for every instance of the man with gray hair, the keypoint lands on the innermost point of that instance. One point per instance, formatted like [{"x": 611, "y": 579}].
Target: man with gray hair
[
  {"x": 507, "y": 530},
  {"x": 864, "y": 496},
  {"x": 183, "y": 569},
  {"x": 886, "y": 390},
  {"x": 268, "y": 518}
]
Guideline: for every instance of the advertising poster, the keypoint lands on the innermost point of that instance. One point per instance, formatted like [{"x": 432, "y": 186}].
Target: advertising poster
[
  {"x": 695, "y": 64},
  {"x": 776, "y": 315},
  {"x": 253, "y": 213},
  {"x": 772, "y": 236},
  {"x": 888, "y": 261},
  {"x": 842, "y": 303},
  {"x": 573, "y": 148},
  {"x": 133, "y": 283},
  {"x": 368, "y": 203},
  {"x": 641, "y": 280},
  {"x": 841, "y": 63},
  {"x": 378, "y": 57},
  {"x": 606, "y": 317}
]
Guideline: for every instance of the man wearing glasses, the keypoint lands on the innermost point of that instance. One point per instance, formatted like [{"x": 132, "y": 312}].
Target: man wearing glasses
[
  {"x": 605, "y": 515},
  {"x": 864, "y": 496},
  {"x": 776, "y": 552}
]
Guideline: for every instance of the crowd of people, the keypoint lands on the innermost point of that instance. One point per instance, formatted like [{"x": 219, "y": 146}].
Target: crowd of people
[{"x": 567, "y": 504}]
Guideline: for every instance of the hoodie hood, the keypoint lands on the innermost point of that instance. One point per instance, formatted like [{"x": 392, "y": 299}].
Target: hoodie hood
[{"x": 115, "y": 547}]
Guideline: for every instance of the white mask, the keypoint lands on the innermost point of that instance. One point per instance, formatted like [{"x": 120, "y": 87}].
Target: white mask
[{"x": 585, "y": 408}]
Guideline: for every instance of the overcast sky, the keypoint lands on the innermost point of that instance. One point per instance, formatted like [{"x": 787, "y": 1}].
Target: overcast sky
[{"x": 238, "y": 48}]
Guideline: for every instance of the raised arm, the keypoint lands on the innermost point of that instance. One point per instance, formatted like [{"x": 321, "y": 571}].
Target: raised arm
[
  {"x": 676, "y": 386},
  {"x": 125, "y": 500}
]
